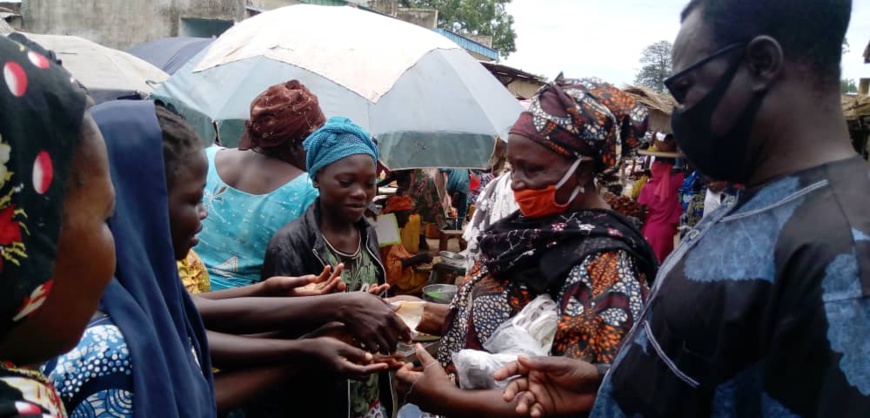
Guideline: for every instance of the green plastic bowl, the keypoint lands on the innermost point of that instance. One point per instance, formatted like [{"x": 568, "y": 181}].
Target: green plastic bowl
[{"x": 439, "y": 293}]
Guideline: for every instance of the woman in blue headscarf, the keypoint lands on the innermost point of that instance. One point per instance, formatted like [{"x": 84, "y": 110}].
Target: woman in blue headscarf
[{"x": 342, "y": 162}]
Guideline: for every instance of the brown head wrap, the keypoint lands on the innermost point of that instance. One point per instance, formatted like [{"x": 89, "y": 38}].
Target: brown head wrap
[
  {"x": 282, "y": 115},
  {"x": 576, "y": 117}
]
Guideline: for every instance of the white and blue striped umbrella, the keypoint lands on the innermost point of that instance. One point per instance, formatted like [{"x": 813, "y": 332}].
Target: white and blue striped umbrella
[{"x": 426, "y": 100}]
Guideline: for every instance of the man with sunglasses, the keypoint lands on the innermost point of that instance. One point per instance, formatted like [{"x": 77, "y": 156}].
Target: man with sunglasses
[{"x": 764, "y": 309}]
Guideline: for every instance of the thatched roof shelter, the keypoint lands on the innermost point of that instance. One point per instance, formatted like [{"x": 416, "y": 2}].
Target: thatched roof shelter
[
  {"x": 857, "y": 112},
  {"x": 652, "y": 99},
  {"x": 5, "y": 29},
  {"x": 856, "y": 107},
  {"x": 867, "y": 54},
  {"x": 660, "y": 106}
]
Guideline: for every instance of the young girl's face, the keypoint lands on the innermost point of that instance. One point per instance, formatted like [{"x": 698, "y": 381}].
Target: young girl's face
[
  {"x": 348, "y": 186},
  {"x": 186, "y": 210}
]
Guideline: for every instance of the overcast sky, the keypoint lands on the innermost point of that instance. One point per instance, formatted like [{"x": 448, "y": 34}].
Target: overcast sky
[{"x": 604, "y": 38}]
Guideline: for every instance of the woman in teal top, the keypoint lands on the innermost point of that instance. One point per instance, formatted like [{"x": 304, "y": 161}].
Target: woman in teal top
[
  {"x": 254, "y": 190},
  {"x": 235, "y": 235}
]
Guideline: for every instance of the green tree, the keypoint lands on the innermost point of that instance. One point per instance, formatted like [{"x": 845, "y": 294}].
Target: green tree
[
  {"x": 848, "y": 87},
  {"x": 656, "y": 61},
  {"x": 474, "y": 17}
]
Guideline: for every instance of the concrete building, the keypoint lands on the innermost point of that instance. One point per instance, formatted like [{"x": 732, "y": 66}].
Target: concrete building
[
  {"x": 10, "y": 15},
  {"x": 122, "y": 24}
]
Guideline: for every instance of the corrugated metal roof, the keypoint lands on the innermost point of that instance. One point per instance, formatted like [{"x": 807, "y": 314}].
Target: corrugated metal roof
[
  {"x": 255, "y": 9},
  {"x": 5, "y": 28},
  {"x": 496, "y": 68},
  {"x": 326, "y": 2},
  {"x": 468, "y": 44}
]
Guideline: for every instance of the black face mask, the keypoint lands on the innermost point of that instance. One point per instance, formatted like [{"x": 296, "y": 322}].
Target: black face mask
[{"x": 719, "y": 157}]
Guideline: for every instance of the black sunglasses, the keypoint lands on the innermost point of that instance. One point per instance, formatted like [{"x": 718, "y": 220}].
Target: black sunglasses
[{"x": 680, "y": 96}]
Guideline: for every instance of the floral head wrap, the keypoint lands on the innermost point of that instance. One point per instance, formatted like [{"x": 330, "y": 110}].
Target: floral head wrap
[{"x": 581, "y": 117}]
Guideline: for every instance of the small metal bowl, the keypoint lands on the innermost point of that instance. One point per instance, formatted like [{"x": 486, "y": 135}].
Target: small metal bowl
[
  {"x": 451, "y": 256},
  {"x": 452, "y": 259}
]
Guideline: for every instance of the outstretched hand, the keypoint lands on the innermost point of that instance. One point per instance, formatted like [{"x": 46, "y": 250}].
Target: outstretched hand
[
  {"x": 343, "y": 359},
  {"x": 426, "y": 384},
  {"x": 372, "y": 322},
  {"x": 550, "y": 385},
  {"x": 329, "y": 281},
  {"x": 393, "y": 361}
]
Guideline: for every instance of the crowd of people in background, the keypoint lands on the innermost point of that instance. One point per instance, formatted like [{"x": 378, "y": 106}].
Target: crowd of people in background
[{"x": 146, "y": 275}]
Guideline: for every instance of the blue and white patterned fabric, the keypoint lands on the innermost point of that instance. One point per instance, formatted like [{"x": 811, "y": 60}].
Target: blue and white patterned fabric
[
  {"x": 763, "y": 311},
  {"x": 95, "y": 378}
]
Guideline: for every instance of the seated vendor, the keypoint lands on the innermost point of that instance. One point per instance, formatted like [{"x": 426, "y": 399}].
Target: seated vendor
[{"x": 402, "y": 273}]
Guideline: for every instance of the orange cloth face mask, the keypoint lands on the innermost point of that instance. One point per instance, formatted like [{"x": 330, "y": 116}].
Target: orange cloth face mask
[{"x": 538, "y": 203}]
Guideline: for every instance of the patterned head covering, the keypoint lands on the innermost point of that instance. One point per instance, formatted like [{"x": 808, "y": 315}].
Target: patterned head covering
[
  {"x": 339, "y": 138},
  {"x": 282, "y": 115},
  {"x": 398, "y": 203},
  {"x": 576, "y": 117},
  {"x": 41, "y": 112}
]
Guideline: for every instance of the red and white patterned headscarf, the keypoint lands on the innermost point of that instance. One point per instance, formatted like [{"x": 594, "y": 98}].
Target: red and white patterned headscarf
[{"x": 41, "y": 112}]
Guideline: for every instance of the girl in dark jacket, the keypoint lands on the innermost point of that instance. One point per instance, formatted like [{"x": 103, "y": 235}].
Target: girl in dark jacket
[{"x": 342, "y": 162}]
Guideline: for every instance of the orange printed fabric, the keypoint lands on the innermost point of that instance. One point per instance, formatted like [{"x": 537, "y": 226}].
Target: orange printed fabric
[{"x": 598, "y": 304}]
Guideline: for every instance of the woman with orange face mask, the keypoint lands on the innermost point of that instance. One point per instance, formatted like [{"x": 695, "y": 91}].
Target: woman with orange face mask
[{"x": 564, "y": 242}]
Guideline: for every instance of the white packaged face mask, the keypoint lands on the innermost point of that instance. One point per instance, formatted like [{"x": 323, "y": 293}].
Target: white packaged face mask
[{"x": 411, "y": 313}]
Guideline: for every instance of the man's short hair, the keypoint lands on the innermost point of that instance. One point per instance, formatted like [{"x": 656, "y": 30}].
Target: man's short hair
[{"x": 810, "y": 31}]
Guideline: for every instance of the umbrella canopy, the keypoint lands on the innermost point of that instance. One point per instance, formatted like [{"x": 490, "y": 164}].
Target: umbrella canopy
[
  {"x": 107, "y": 73},
  {"x": 428, "y": 102},
  {"x": 170, "y": 54},
  {"x": 5, "y": 28}
]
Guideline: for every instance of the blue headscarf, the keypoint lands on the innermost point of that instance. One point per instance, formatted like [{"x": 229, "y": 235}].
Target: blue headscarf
[
  {"x": 339, "y": 138},
  {"x": 146, "y": 299}
]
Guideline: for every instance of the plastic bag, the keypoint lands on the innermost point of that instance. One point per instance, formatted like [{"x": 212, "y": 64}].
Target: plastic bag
[
  {"x": 475, "y": 368},
  {"x": 530, "y": 332}
]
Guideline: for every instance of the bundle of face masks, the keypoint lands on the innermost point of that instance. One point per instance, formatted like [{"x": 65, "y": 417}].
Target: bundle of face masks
[{"x": 530, "y": 333}]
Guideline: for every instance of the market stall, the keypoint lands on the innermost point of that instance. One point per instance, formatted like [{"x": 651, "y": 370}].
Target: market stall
[
  {"x": 660, "y": 106},
  {"x": 857, "y": 112}
]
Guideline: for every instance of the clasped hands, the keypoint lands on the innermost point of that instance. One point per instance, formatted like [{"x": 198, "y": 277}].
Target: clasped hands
[{"x": 365, "y": 337}]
